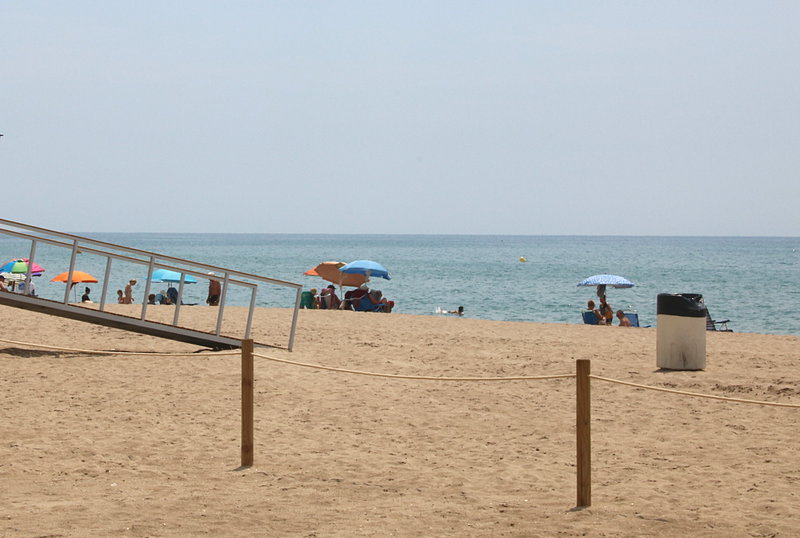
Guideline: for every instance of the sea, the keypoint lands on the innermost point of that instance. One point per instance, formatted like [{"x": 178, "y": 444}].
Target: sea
[{"x": 752, "y": 281}]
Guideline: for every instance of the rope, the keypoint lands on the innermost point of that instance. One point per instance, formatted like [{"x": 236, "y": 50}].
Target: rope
[
  {"x": 415, "y": 377},
  {"x": 96, "y": 352},
  {"x": 695, "y": 394},
  {"x": 412, "y": 377}
]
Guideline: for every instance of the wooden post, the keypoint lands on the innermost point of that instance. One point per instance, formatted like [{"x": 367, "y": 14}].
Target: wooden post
[
  {"x": 247, "y": 403},
  {"x": 583, "y": 428}
]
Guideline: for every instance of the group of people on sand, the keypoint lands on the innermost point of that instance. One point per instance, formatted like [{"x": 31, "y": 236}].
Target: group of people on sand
[
  {"x": 167, "y": 297},
  {"x": 359, "y": 299},
  {"x": 605, "y": 314}
]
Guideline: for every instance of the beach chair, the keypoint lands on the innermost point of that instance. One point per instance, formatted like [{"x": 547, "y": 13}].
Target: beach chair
[
  {"x": 307, "y": 300},
  {"x": 365, "y": 304},
  {"x": 711, "y": 324},
  {"x": 633, "y": 317},
  {"x": 589, "y": 318}
]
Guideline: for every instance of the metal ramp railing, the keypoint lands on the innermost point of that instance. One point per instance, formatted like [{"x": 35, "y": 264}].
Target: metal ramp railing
[{"x": 246, "y": 286}]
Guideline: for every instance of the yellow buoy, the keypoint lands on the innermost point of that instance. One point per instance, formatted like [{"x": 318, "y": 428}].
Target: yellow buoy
[{"x": 522, "y": 259}]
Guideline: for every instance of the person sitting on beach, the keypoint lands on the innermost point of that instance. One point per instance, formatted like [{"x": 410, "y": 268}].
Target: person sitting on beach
[
  {"x": 352, "y": 297},
  {"x": 3, "y": 283},
  {"x": 328, "y": 299},
  {"x": 623, "y": 319},
  {"x": 376, "y": 296},
  {"x": 606, "y": 312},
  {"x": 373, "y": 301},
  {"x": 308, "y": 299},
  {"x": 591, "y": 307},
  {"x": 172, "y": 294},
  {"x": 161, "y": 298},
  {"x": 85, "y": 297},
  {"x": 151, "y": 299},
  {"x": 120, "y": 297}
]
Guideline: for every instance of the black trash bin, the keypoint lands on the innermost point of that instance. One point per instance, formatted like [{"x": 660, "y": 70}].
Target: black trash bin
[{"x": 681, "y": 331}]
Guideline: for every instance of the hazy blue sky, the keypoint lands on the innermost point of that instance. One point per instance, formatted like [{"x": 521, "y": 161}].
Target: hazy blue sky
[{"x": 665, "y": 118}]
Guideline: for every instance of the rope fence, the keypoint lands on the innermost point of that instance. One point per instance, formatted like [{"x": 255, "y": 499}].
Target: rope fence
[
  {"x": 695, "y": 394},
  {"x": 412, "y": 377},
  {"x": 582, "y": 377}
]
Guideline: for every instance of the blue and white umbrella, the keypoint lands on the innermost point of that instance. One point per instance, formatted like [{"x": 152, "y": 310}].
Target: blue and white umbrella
[
  {"x": 366, "y": 267},
  {"x": 165, "y": 275},
  {"x": 614, "y": 281}
]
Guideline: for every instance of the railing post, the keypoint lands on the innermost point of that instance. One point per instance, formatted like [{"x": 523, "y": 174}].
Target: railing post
[
  {"x": 106, "y": 279},
  {"x": 72, "y": 259},
  {"x": 583, "y": 429},
  {"x": 29, "y": 274},
  {"x": 247, "y": 403}
]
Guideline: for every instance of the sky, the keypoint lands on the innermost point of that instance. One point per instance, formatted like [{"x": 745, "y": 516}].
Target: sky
[{"x": 412, "y": 117}]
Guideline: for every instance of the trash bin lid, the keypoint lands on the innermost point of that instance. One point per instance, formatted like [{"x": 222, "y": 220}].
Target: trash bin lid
[{"x": 688, "y": 305}]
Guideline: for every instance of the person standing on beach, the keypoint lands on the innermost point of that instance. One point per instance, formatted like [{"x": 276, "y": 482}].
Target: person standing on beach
[
  {"x": 128, "y": 299},
  {"x": 214, "y": 291}
]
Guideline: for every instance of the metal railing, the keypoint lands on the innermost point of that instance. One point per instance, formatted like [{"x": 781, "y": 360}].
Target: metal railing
[{"x": 152, "y": 261}]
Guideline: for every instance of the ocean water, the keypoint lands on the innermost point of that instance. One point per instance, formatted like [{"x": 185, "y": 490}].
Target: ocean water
[{"x": 751, "y": 281}]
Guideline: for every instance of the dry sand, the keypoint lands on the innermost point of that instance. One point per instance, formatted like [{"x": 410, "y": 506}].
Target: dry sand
[{"x": 150, "y": 446}]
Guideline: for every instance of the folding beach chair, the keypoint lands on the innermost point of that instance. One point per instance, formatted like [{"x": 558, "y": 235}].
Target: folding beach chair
[
  {"x": 633, "y": 317},
  {"x": 711, "y": 324},
  {"x": 589, "y": 318}
]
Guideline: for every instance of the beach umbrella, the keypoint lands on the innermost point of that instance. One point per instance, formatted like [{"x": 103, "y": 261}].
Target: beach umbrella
[
  {"x": 605, "y": 280},
  {"x": 14, "y": 277},
  {"x": 614, "y": 281},
  {"x": 78, "y": 277},
  {"x": 165, "y": 275},
  {"x": 331, "y": 272},
  {"x": 367, "y": 268},
  {"x": 20, "y": 266}
]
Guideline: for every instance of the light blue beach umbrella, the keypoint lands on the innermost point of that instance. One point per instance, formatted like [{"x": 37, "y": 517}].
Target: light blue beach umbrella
[
  {"x": 614, "y": 281},
  {"x": 165, "y": 275},
  {"x": 366, "y": 267}
]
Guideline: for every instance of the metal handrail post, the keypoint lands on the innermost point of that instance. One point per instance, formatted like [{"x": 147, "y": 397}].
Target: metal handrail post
[
  {"x": 106, "y": 278},
  {"x": 175, "y": 316},
  {"x": 253, "y": 293},
  {"x": 29, "y": 273},
  {"x": 147, "y": 285},
  {"x": 71, "y": 270},
  {"x": 294, "y": 317},
  {"x": 222, "y": 294}
]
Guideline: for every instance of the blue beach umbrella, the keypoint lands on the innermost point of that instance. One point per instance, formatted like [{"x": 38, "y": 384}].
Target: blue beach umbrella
[
  {"x": 165, "y": 275},
  {"x": 368, "y": 268},
  {"x": 614, "y": 281}
]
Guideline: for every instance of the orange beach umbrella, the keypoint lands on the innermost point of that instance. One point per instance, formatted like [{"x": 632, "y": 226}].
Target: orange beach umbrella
[
  {"x": 77, "y": 277},
  {"x": 330, "y": 271}
]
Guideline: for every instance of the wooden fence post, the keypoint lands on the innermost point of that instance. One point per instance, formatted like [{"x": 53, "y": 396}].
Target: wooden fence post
[
  {"x": 583, "y": 429},
  {"x": 247, "y": 403}
]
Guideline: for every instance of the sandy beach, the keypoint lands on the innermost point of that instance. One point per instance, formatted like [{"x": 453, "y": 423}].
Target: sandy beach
[{"x": 121, "y": 445}]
